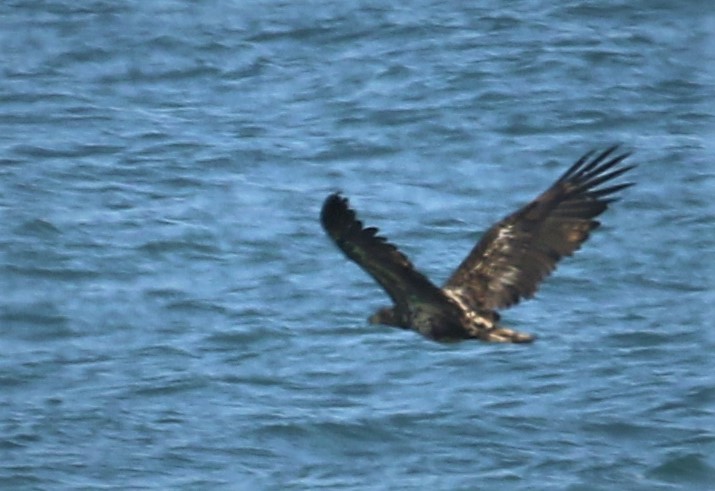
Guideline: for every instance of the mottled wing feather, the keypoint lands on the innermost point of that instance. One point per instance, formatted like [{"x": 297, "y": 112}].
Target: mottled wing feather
[
  {"x": 382, "y": 260},
  {"x": 515, "y": 254}
]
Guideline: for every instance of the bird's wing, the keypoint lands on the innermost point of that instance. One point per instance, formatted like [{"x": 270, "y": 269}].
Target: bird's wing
[
  {"x": 383, "y": 261},
  {"x": 515, "y": 254}
]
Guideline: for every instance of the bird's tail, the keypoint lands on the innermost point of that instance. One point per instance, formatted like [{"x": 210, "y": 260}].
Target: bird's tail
[
  {"x": 505, "y": 335},
  {"x": 488, "y": 329}
]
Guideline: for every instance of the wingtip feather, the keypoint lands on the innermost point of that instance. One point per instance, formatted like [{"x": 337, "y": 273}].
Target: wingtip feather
[{"x": 336, "y": 214}]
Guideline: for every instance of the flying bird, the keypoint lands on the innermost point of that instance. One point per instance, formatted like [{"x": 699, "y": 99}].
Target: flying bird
[{"x": 506, "y": 265}]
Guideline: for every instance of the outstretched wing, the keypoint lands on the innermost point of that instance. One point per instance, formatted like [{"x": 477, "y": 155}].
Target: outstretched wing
[
  {"x": 515, "y": 254},
  {"x": 390, "y": 268}
]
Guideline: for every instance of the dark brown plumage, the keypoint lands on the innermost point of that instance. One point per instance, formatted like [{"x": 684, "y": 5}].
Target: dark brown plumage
[{"x": 506, "y": 265}]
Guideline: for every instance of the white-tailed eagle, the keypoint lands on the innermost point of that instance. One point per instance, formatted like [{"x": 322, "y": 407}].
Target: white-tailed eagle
[{"x": 506, "y": 265}]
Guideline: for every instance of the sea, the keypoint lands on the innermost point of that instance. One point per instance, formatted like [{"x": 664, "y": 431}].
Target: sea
[{"x": 173, "y": 316}]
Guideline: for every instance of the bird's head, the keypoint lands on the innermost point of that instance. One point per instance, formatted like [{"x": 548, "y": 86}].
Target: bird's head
[{"x": 386, "y": 316}]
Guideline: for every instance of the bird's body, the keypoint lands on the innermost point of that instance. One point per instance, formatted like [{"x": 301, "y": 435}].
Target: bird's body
[{"x": 507, "y": 264}]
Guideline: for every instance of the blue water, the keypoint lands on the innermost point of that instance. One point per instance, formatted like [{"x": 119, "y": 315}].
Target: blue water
[{"x": 173, "y": 317}]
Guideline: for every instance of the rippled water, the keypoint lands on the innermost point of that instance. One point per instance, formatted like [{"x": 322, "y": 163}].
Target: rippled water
[{"x": 172, "y": 316}]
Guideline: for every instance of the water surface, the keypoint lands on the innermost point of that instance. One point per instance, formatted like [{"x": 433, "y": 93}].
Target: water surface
[{"x": 173, "y": 317}]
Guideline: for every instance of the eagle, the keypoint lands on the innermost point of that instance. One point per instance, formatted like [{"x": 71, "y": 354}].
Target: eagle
[{"x": 506, "y": 265}]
